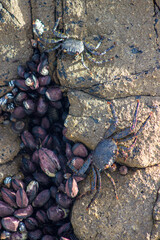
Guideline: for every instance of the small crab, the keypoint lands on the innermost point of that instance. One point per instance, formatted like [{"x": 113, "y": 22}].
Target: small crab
[
  {"x": 107, "y": 150},
  {"x": 70, "y": 46}
]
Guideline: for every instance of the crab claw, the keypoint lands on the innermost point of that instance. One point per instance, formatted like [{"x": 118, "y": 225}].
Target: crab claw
[{"x": 38, "y": 27}]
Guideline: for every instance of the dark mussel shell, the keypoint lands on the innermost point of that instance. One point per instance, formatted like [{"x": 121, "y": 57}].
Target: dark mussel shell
[
  {"x": 42, "y": 106},
  {"x": 44, "y": 80},
  {"x": 28, "y": 140},
  {"x": 35, "y": 234},
  {"x": 41, "y": 198},
  {"x": 54, "y": 94},
  {"x": 21, "y": 198},
  {"x": 17, "y": 184},
  {"x": 56, "y": 213},
  {"x": 18, "y": 126},
  {"x": 18, "y": 112},
  {"x": 10, "y": 223},
  {"x": 23, "y": 213},
  {"x": 39, "y": 132},
  {"x": 20, "y": 83},
  {"x": 32, "y": 190},
  {"x": 5, "y": 209},
  {"x": 29, "y": 106},
  {"x": 31, "y": 223},
  {"x": 80, "y": 150},
  {"x": 9, "y": 196},
  {"x": 71, "y": 187}
]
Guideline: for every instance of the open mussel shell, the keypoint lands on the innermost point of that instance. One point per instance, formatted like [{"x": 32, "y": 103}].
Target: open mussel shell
[{"x": 49, "y": 162}]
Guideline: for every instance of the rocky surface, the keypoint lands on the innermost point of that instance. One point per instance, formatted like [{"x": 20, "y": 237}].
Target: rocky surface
[
  {"x": 9, "y": 144},
  {"x": 11, "y": 168},
  {"x": 130, "y": 217},
  {"x": 134, "y": 27}
]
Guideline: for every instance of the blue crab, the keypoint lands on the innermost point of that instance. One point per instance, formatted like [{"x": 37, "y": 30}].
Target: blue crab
[
  {"x": 70, "y": 46},
  {"x": 107, "y": 150}
]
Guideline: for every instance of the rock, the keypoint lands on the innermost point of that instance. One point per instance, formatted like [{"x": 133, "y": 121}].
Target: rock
[
  {"x": 130, "y": 217},
  {"x": 9, "y": 144},
  {"x": 90, "y": 117},
  {"x": 15, "y": 34},
  {"x": 10, "y": 168},
  {"x": 136, "y": 57}
]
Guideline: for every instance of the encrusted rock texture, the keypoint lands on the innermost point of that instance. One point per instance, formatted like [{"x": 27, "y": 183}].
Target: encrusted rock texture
[{"x": 134, "y": 27}]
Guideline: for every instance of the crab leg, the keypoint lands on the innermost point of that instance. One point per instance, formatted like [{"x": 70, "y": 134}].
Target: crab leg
[
  {"x": 91, "y": 47},
  {"x": 53, "y": 49},
  {"x": 112, "y": 128},
  {"x": 124, "y": 133},
  {"x": 82, "y": 60},
  {"x": 98, "y": 188},
  {"x": 57, "y": 33},
  {"x": 85, "y": 166},
  {"x": 102, "y": 53},
  {"x": 113, "y": 182},
  {"x": 49, "y": 41},
  {"x": 92, "y": 59},
  {"x": 143, "y": 125},
  {"x": 94, "y": 182}
]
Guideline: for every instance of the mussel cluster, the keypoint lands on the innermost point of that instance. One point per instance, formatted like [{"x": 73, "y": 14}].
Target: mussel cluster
[{"x": 38, "y": 206}]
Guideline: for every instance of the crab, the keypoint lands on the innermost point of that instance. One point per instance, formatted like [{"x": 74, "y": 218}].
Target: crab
[
  {"x": 70, "y": 46},
  {"x": 107, "y": 150}
]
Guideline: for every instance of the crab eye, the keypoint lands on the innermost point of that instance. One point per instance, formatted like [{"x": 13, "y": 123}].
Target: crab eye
[{"x": 106, "y": 166}]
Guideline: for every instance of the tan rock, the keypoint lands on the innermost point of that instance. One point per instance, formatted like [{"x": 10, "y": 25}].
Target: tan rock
[
  {"x": 10, "y": 168},
  {"x": 130, "y": 217},
  {"x": 15, "y": 34},
  {"x": 135, "y": 68},
  {"x": 9, "y": 144}
]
